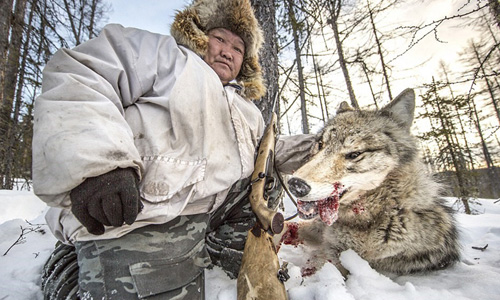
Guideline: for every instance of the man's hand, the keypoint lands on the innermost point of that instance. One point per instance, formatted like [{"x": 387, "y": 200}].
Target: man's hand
[{"x": 110, "y": 199}]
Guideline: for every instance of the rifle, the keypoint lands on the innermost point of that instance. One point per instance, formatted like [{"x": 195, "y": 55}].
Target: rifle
[{"x": 260, "y": 276}]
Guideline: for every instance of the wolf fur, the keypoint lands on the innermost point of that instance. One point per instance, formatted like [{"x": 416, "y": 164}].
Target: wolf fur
[{"x": 389, "y": 209}]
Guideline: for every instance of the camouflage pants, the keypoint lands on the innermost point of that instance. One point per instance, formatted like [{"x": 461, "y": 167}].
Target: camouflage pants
[
  {"x": 154, "y": 262},
  {"x": 227, "y": 232},
  {"x": 163, "y": 261}
]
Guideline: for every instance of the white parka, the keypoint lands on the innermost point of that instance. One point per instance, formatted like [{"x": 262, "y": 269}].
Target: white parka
[{"x": 131, "y": 98}]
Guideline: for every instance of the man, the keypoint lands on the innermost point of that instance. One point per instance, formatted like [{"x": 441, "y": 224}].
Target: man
[{"x": 140, "y": 138}]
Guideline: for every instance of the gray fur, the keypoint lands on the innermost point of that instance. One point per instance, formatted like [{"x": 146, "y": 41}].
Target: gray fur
[{"x": 390, "y": 211}]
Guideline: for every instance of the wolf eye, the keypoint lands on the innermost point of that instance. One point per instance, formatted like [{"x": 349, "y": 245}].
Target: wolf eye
[
  {"x": 353, "y": 155},
  {"x": 316, "y": 148},
  {"x": 320, "y": 145}
]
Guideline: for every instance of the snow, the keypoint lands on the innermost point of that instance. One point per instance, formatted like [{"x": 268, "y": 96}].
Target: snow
[{"x": 476, "y": 276}]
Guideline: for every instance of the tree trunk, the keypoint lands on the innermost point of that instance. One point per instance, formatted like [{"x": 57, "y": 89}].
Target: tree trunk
[
  {"x": 492, "y": 170},
  {"x": 458, "y": 166},
  {"x": 484, "y": 146},
  {"x": 495, "y": 11},
  {"x": 380, "y": 53},
  {"x": 265, "y": 12},
  {"x": 14, "y": 52},
  {"x": 463, "y": 132},
  {"x": 13, "y": 137},
  {"x": 317, "y": 77},
  {"x": 11, "y": 73},
  {"x": 296, "y": 42},
  {"x": 319, "y": 81},
  {"x": 487, "y": 155},
  {"x": 5, "y": 23},
  {"x": 334, "y": 7},
  {"x": 72, "y": 20},
  {"x": 491, "y": 92},
  {"x": 368, "y": 80},
  {"x": 93, "y": 9}
]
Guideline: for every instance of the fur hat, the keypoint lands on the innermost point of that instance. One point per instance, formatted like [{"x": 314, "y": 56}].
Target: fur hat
[{"x": 191, "y": 26}]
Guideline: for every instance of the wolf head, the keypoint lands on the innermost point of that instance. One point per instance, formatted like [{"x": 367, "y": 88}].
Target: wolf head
[{"x": 356, "y": 150}]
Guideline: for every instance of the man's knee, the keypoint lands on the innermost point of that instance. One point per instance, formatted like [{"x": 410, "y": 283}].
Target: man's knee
[{"x": 154, "y": 262}]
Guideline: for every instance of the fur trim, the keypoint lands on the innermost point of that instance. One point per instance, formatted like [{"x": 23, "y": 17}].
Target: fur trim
[{"x": 190, "y": 28}]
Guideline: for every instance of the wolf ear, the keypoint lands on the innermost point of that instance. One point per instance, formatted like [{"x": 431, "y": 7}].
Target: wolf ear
[
  {"x": 403, "y": 107},
  {"x": 344, "y": 106}
]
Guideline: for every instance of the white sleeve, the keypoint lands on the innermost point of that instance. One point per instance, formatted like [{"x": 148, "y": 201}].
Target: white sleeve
[
  {"x": 79, "y": 125},
  {"x": 293, "y": 151}
]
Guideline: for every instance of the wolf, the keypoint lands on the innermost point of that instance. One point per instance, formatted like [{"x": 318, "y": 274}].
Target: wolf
[{"x": 366, "y": 188}]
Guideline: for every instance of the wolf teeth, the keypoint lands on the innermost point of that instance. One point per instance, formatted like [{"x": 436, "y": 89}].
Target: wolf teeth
[{"x": 307, "y": 209}]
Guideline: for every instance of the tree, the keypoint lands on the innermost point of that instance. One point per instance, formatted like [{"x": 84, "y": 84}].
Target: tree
[
  {"x": 443, "y": 131},
  {"x": 5, "y": 25},
  {"x": 334, "y": 8},
  {"x": 295, "y": 28},
  {"x": 458, "y": 103},
  {"x": 11, "y": 71},
  {"x": 373, "y": 12},
  {"x": 34, "y": 31},
  {"x": 293, "y": 36},
  {"x": 265, "y": 12},
  {"x": 495, "y": 11}
]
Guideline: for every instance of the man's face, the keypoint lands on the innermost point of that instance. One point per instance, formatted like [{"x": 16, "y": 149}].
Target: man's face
[{"x": 225, "y": 53}]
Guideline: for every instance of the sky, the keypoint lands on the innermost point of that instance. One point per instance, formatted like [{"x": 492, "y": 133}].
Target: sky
[
  {"x": 425, "y": 57},
  {"x": 152, "y": 15}
]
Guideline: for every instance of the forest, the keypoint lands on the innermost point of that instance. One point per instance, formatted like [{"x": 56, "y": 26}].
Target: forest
[{"x": 317, "y": 53}]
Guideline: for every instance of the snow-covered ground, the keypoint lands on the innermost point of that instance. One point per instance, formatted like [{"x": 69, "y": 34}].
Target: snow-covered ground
[{"x": 475, "y": 277}]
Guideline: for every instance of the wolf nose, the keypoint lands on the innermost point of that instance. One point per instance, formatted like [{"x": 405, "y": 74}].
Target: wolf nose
[{"x": 299, "y": 187}]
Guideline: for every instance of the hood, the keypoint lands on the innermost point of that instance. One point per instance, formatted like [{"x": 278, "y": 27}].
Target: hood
[{"x": 190, "y": 28}]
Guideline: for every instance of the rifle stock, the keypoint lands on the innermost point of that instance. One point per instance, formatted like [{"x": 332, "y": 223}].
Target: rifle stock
[
  {"x": 269, "y": 219},
  {"x": 258, "y": 276}
]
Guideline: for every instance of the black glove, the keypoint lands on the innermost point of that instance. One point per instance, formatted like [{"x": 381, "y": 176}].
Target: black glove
[{"x": 109, "y": 199}]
